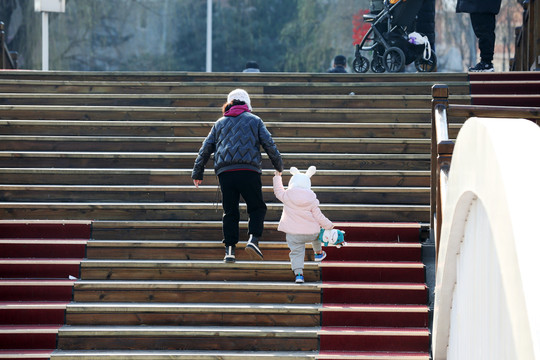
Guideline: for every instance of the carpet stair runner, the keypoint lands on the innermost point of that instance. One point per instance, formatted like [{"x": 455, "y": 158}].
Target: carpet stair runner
[
  {"x": 117, "y": 149},
  {"x": 505, "y": 89},
  {"x": 384, "y": 314},
  {"x": 38, "y": 267}
]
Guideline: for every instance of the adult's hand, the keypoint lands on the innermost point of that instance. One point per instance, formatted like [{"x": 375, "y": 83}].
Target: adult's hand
[{"x": 197, "y": 183}]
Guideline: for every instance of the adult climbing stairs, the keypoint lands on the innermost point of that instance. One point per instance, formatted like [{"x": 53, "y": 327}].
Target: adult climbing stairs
[{"x": 116, "y": 149}]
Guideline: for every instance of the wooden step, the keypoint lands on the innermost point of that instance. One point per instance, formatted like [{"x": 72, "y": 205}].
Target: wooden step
[
  {"x": 215, "y": 270},
  {"x": 365, "y": 271},
  {"x": 392, "y": 232},
  {"x": 186, "y": 193},
  {"x": 182, "y": 250},
  {"x": 216, "y": 100},
  {"x": 239, "y": 77},
  {"x": 187, "y": 144},
  {"x": 148, "y": 113},
  {"x": 207, "y": 270},
  {"x": 374, "y": 251},
  {"x": 36, "y": 289},
  {"x": 149, "y": 176},
  {"x": 507, "y": 100},
  {"x": 186, "y": 354},
  {"x": 374, "y": 339},
  {"x": 26, "y": 354},
  {"x": 191, "y": 230},
  {"x": 342, "y": 87},
  {"x": 33, "y": 248},
  {"x": 404, "y": 232},
  {"x": 176, "y": 160},
  {"x": 32, "y": 312},
  {"x": 236, "y": 355},
  {"x": 201, "y": 128},
  {"x": 375, "y": 315},
  {"x": 185, "y": 337},
  {"x": 501, "y": 87},
  {"x": 160, "y": 291},
  {"x": 187, "y": 314},
  {"x": 211, "y": 250},
  {"x": 49, "y": 229},
  {"x": 209, "y": 211},
  {"x": 504, "y": 76},
  {"x": 378, "y": 355},
  {"x": 28, "y": 336},
  {"x": 45, "y": 268},
  {"x": 374, "y": 293}
]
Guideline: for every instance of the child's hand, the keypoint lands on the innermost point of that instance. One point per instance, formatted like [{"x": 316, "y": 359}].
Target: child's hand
[{"x": 277, "y": 173}]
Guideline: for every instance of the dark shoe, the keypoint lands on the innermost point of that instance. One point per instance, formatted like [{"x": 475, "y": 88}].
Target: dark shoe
[
  {"x": 252, "y": 247},
  {"x": 482, "y": 67},
  {"x": 229, "y": 254}
]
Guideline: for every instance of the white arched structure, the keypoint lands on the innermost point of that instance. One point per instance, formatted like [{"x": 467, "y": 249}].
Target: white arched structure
[{"x": 487, "y": 293}]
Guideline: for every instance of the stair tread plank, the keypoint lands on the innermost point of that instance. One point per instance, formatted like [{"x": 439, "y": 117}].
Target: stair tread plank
[
  {"x": 184, "y": 354},
  {"x": 238, "y": 331}
]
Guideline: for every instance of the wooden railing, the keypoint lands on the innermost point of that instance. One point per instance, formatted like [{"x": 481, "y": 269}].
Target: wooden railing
[
  {"x": 442, "y": 146},
  {"x": 527, "y": 46},
  {"x": 8, "y": 59}
]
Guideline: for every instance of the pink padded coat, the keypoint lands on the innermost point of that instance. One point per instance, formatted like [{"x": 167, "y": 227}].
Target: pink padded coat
[{"x": 301, "y": 212}]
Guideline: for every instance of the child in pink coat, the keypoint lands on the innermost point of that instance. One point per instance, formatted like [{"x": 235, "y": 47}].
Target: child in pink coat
[{"x": 301, "y": 219}]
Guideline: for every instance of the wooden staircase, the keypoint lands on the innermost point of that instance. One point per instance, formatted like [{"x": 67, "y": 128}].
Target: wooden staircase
[{"x": 117, "y": 149}]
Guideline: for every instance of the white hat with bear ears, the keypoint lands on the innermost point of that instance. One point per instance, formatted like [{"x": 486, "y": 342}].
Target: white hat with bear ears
[{"x": 299, "y": 180}]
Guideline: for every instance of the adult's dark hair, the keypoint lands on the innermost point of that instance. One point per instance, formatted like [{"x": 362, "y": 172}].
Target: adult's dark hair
[
  {"x": 252, "y": 65},
  {"x": 226, "y": 107},
  {"x": 340, "y": 60}
]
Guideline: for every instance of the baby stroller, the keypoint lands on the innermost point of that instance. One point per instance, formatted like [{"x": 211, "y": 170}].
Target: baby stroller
[{"x": 392, "y": 42}]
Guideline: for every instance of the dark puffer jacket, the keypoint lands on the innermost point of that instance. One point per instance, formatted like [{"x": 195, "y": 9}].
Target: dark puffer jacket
[
  {"x": 236, "y": 141},
  {"x": 478, "y": 6}
]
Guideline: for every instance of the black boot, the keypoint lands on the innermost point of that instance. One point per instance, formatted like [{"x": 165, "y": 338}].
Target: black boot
[
  {"x": 229, "y": 254},
  {"x": 252, "y": 247}
]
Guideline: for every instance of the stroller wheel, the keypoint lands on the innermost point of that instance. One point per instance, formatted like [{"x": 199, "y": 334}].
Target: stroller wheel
[
  {"x": 394, "y": 60},
  {"x": 360, "y": 64},
  {"x": 377, "y": 65},
  {"x": 423, "y": 65}
]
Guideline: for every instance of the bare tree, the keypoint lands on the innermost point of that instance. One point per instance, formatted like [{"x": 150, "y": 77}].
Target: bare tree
[{"x": 454, "y": 31}]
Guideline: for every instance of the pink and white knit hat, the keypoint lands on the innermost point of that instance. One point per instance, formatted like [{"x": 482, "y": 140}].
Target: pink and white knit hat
[{"x": 240, "y": 94}]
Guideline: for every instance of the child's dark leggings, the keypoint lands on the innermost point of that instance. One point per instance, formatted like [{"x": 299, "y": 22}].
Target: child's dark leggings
[{"x": 248, "y": 184}]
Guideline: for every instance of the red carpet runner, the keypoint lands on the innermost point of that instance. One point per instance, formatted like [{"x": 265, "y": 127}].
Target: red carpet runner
[
  {"x": 37, "y": 260},
  {"x": 375, "y": 296}
]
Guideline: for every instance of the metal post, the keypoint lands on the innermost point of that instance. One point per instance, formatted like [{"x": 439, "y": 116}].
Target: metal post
[
  {"x": 209, "y": 36},
  {"x": 45, "y": 40}
]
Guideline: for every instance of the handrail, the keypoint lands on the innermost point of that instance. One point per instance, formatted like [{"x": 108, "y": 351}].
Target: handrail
[
  {"x": 441, "y": 155},
  {"x": 8, "y": 59},
  {"x": 485, "y": 296},
  {"x": 525, "y": 112},
  {"x": 442, "y": 147},
  {"x": 527, "y": 48}
]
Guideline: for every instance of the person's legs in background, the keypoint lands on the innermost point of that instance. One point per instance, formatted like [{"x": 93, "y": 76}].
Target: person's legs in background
[
  {"x": 425, "y": 21},
  {"x": 483, "y": 25}
]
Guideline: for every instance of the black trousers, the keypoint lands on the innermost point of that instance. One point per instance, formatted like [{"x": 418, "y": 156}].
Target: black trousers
[
  {"x": 249, "y": 185},
  {"x": 483, "y": 25}
]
